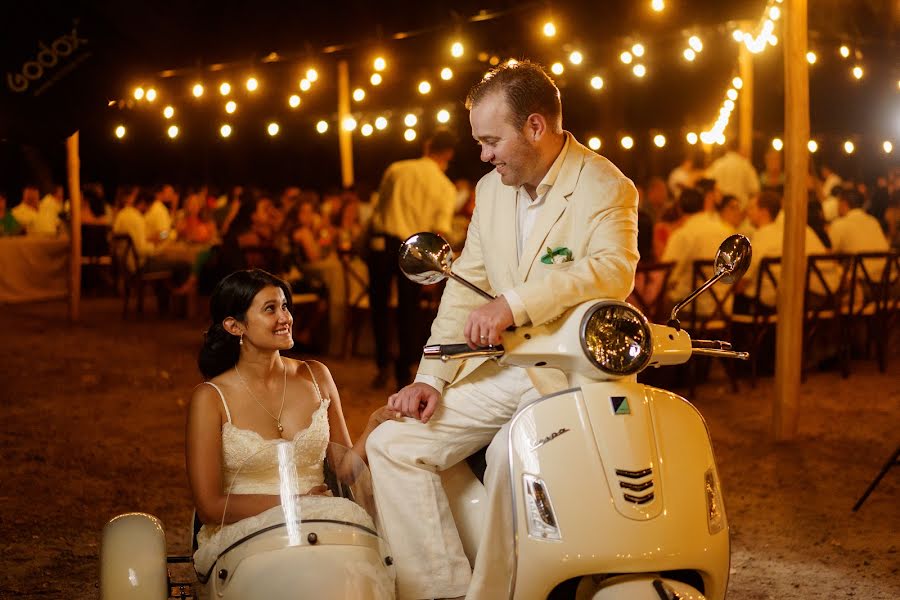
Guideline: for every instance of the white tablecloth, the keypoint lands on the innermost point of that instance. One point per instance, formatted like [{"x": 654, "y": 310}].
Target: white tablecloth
[{"x": 33, "y": 268}]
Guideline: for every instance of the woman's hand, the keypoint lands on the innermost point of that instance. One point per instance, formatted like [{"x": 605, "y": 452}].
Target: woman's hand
[{"x": 382, "y": 414}]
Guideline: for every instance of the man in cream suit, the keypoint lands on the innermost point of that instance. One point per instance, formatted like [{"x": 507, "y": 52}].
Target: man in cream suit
[{"x": 546, "y": 191}]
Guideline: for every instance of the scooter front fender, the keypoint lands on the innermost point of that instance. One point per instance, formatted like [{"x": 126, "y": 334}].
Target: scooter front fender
[{"x": 625, "y": 469}]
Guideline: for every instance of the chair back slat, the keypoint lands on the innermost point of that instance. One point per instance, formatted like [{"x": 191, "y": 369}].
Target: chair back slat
[
  {"x": 711, "y": 311},
  {"x": 649, "y": 295}
]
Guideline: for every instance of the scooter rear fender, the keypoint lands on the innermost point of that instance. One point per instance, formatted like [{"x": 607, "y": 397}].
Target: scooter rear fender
[{"x": 584, "y": 444}]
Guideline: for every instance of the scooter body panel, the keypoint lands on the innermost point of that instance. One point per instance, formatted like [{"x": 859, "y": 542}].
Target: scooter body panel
[
  {"x": 338, "y": 561},
  {"x": 578, "y": 443}
]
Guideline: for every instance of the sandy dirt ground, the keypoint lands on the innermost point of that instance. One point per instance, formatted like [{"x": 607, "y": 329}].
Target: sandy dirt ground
[{"x": 92, "y": 425}]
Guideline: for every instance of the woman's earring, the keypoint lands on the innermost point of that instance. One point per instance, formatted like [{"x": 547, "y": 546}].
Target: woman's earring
[{"x": 241, "y": 341}]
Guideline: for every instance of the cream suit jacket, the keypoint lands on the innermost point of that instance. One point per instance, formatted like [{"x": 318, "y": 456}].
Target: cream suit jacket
[{"x": 591, "y": 210}]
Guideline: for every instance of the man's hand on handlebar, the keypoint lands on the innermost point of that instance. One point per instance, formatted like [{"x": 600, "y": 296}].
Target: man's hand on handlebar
[
  {"x": 417, "y": 400},
  {"x": 486, "y": 323}
]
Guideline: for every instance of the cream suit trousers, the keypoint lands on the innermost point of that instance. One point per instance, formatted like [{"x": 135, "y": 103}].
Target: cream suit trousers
[{"x": 405, "y": 457}]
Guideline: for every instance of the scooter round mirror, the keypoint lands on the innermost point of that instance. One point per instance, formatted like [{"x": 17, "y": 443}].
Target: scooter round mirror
[
  {"x": 733, "y": 258},
  {"x": 426, "y": 258}
]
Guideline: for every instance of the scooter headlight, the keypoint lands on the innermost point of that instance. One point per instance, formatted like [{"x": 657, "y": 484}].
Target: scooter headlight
[
  {"x": 615, "y": 336},
  {"x": 539, "y": 514}
]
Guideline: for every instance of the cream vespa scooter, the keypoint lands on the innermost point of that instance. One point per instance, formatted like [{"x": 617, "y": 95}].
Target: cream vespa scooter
[{"x": 614, "y": 484}]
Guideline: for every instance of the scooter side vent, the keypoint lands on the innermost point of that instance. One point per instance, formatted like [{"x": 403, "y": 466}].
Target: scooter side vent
[{"x": 636, "y": 486}]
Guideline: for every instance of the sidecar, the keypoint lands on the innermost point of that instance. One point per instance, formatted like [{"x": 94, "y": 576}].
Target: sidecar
[{"x": 323, "y": 546}]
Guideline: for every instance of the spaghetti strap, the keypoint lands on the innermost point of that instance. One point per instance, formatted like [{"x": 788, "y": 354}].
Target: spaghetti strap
[
  {"x": 222, "y": 396},
  {"x": 314, "y": 382}
]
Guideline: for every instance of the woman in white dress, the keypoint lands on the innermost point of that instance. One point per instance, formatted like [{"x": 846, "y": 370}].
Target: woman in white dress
[{"x": 254, "y": 399}]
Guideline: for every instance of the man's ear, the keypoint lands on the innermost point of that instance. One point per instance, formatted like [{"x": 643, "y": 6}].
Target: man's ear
[
  {"x": 535, "y": 126},
  {"x": 232, "y": 326}
]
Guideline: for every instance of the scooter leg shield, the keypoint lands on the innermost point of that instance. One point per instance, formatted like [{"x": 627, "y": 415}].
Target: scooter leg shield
[{"x": 640, "y": 587}]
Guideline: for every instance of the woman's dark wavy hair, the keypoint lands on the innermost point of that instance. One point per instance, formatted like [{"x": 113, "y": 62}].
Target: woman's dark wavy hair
[{"x": 231, "y": 298}]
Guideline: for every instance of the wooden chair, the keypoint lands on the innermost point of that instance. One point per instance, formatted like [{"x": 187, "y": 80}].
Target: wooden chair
[
  {"x": 357, "y": 310},
  {"x": 132, "y": 274},
  {"x": 873, "y": 297},
  {"x": 760, "y": 319},
  {"x": 709, "y": 317},
  {"x": 96, "y": 256},
  {"x": 826, "y": 300},
  {"x": 649, "y": 295}
]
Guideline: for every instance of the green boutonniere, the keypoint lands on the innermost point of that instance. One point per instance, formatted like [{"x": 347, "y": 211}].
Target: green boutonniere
[{"x": 555, "y": 256}]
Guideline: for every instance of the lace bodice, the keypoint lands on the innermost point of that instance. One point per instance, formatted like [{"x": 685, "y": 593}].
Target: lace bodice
[{"x": 250, "y": 461}]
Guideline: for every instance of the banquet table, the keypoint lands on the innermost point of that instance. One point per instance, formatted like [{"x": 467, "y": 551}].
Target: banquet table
[{"x": 33, "y": 268}]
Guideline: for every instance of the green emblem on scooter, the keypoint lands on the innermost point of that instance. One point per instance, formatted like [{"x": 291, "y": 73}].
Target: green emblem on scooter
[{"x": 620, "y": 405}]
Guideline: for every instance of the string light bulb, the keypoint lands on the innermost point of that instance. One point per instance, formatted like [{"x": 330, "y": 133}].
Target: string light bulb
[
  {"x": 375, "y": 79},
  {"x": 627, "y": 142},
  {"x": 294, "y": 101},
  {"x": 446, "y": 73},
  {"x": 594, "y": 143},
  {"x": 120, "y": 131},
  {"x": 349, "y": 124},
  {"x": 312, "y": 74},
  {"x": 887, "y": 146},
  {"x": 168, "y": 112},
  {"x": 381, "y": 123},
  {"x": 172, "y": 131},
  {"x": 138, "y": 93},
  {"x": 366, "y": 129},
  {"x": 737, "y": 82},
  {"x": 359, "y": 94},
  {"x": 858, "y": 72},
  {"x": 273, "y": 128},
  {"x": 597, "y": 82},
  {"x": 845, "y": 51},
  {"x": 549, "y": 29},
  {"x": 811, "y": 57},
  {"x": 225, "y": 130},
  {"x": 626, "y": 57},
  {"x": 225, "y": 88},
  {"x": 443, "y": 115},
  {"x": 638, "y": 50},
  {"x": 557, "y": 68},
  {"x": 659, "y": 140},
  {"x": 379, "y": 64},
  {"x": 197, "y": 90},
  {"x": 322, "y": 126},
  {"x": 639, "y": 70},
  {"x": 774, "y": 13},
  {"x": 576, "y": 57},
  {"x": 252, "y": 84},
  {"x": 732, "y": 94},
  {"x": 812, "y": 146},
  {"x": 849, "y": 147},
  {"x": 695, "y": 43},
  {"x": 305, "y": 85},
  {"x": 410, "y": 120},
  {"x": 692, "y": 138},
  {"x": 151, "y": 95},
  {"x": 657, "y": 5},
  {"x": 777, "y": 144},
  {"x": 230, "y": 107},
  {"x": 457, "y": 49},
  {"x": 409, "y": 135},
  {"x": 424, "y": 87},
  {"x": 689, "y": 54}
]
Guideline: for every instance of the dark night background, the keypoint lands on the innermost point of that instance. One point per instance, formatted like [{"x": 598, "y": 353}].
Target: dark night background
[{"x": 132, "y": 44}]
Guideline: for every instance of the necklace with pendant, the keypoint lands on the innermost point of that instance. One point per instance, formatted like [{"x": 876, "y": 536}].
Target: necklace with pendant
[{"x": 263, "y": 406}]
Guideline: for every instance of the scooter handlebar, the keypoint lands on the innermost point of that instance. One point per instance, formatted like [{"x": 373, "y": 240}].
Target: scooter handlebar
[{"x": 447, "y": 352}]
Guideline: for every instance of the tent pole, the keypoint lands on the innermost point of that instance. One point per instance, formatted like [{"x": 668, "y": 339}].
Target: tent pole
[
  {"x": 345, "y": 137},
  {"x": 73, "y": 164}
]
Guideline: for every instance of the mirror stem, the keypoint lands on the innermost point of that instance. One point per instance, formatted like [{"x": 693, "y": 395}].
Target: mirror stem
[
  {"x": 673, "y": 320},
  {"x": 471, "y": 286}
]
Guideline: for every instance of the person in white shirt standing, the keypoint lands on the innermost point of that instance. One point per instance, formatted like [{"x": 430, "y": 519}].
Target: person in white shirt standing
[
  {"x": 735, "y": 175},
  {"x": 415, "y": 195}
]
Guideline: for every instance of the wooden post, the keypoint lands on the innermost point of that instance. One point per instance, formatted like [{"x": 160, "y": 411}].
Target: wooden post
[
  {"x": 789, "y": 337},
  {"x": 73, "y": 164},
  {"x": 345, "y": 138},
  {"x": 745, "y": 108}
]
